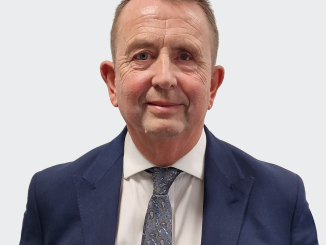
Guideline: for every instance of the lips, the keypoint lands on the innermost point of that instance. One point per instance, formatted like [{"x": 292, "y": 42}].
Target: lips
[
  {"x": 163, "y": 104},
  {"x": 163, "y": 107}
]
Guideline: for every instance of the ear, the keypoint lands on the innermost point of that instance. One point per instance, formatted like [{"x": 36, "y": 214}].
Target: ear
[
  {"x": 216, "y": 81},
  {"x": 108, "y": 75}
]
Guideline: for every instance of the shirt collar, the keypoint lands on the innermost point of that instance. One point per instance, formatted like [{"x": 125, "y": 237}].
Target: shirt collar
[{"x": 192, "y": 163}]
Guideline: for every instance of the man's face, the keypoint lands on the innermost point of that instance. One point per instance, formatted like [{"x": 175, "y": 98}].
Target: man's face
[{"x": 163, "y": 70}]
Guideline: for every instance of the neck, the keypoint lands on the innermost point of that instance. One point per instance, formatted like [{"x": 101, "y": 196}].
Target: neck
[{"x": 165, "y": 151}]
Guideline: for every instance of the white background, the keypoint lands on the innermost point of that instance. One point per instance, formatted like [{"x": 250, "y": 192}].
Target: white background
[{"x": 55, "y": 107}]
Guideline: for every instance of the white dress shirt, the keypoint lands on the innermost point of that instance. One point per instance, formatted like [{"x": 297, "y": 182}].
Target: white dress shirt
[{"x": 185, "y": 194}]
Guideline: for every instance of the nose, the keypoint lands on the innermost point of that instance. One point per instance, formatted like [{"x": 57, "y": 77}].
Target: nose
[{"x": 164, "y": 76}]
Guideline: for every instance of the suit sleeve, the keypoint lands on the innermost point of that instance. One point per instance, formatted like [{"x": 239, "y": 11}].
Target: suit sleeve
[
  {"x": 303, "y": 225},
  {"x": 32, "y": 229}
]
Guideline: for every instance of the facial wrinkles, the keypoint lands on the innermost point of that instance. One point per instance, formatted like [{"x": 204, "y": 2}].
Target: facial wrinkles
[
  {"x": 190, "y": 33},
  {"x": 193, "y": 17},
  {"x": 150, "y": 24},
  {"x": 143, "y": 28},
  {"x": 143, "y": 40},
  {"x": 146, "y": 21},
  {"x": 203, "y": 71},
  {"x": 202, "y": 22},
  {"x": 123, "y": 69},
  {"x": 125, "y": 62},
  {"x": 187, "y": 27}
]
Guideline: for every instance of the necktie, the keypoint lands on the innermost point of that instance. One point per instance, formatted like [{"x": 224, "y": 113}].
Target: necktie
[{"x": 158, "y": 220}]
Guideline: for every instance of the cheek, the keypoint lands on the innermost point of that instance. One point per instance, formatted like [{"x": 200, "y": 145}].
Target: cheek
[
  {"x": 197, "y": 91},
  {"x": 199, "y": 99},
  {"x": 131, "y": 88},
  {"x": 198, "y": 104}
]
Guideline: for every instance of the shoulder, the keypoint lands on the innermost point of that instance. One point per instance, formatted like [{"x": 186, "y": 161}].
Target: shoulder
[
  {"x": 247, "y": 164},
  {"x": 271, "y": 182},
  {"x": 277, "y": 197},
  {"x": 274, "y": 186},
  {"x": 60, "y": 177},
  {"x": 259, "y": 168},
  {"x": 75, "y": 167}
]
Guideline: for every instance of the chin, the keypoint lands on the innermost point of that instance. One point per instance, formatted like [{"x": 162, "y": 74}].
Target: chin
[{"x": 164, "y": 129}]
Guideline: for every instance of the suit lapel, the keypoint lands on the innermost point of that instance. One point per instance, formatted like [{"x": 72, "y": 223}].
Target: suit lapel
[
  {"x": 226, "y": 193},
  {"x": 98, "y": 194}
]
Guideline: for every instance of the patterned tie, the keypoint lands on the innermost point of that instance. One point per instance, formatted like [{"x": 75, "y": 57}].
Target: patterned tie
[{"x": 158, "y": 221}]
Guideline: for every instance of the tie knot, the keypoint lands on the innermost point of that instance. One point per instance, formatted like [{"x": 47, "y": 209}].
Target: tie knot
[{"x": 163, "y": 179}]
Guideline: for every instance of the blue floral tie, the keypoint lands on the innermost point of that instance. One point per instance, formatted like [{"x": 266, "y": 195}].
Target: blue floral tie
[{"x": 158, "y": 221}]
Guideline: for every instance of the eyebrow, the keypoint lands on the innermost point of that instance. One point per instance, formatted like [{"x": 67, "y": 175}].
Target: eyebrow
[
  {"x": 140, "y": 43},
  {"x": 184, "y": 44},
  {"x": 187, "y": 45}
]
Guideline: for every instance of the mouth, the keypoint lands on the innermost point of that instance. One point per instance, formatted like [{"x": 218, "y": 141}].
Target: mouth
[
  {"x": 163, "y": 107},
  {"x": 162, "y": 104}
]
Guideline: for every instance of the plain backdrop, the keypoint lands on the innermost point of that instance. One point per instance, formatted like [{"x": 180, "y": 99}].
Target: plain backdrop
[{"x": 55, "y": 107}]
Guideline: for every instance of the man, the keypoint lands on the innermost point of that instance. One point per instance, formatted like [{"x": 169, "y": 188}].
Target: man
[{"x": 163, "y": 79}]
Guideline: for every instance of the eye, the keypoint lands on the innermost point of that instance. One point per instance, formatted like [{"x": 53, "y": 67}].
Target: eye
[
  {"x": 184, "y": 57},
  {"x": 142, "y": 56}
]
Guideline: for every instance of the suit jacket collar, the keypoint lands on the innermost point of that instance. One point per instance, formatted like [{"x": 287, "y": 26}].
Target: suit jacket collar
[
  {"x": 226, "y": 193},
  {"x": 106, "y": 160},
  {"x": 98, "y": 193}
]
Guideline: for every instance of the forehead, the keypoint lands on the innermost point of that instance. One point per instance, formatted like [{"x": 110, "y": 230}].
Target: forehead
[
  {"x": 162, "y": 17},
  {"x": 164, "y": 9}
]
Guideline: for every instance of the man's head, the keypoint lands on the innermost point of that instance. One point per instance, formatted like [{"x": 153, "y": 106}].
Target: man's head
[
  {"x": 163, "y": 79},
  {"x": 204, "y": 4}
]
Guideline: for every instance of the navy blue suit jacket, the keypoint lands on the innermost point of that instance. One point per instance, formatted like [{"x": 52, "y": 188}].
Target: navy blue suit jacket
[{"x": 246, "y": 201}]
